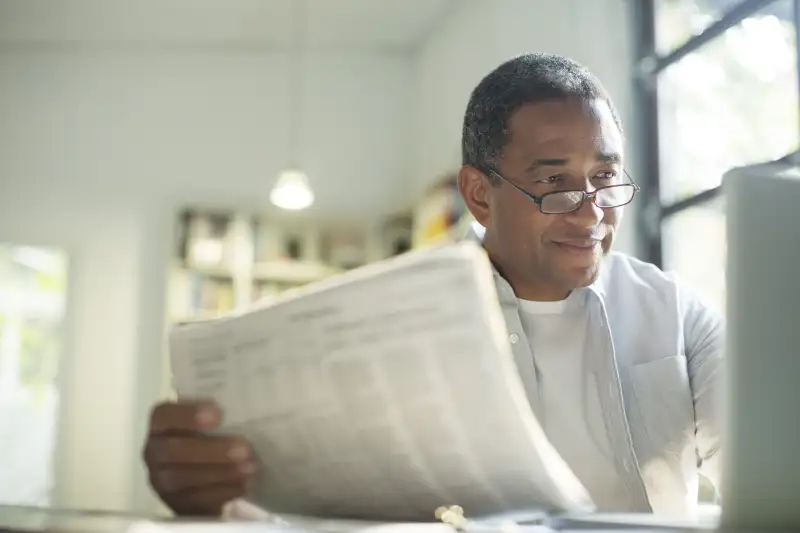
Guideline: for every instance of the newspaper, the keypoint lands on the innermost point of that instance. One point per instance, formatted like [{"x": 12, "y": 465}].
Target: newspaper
[{"x": 381, "y": 394}]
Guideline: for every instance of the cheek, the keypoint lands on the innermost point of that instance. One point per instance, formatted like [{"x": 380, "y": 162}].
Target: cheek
[
  {"x": 506, "y": 212},
  {"x": 612, "y": 217},
  {"x": 530, "y": 228},
  {"x": 516, "y": 221}
]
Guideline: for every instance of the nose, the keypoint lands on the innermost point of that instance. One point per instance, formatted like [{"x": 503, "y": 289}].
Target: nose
[{"x": 589, "y": 215}]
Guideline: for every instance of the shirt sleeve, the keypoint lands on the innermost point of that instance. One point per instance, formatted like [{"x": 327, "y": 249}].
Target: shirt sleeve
[{"x": 704, "y": 334}]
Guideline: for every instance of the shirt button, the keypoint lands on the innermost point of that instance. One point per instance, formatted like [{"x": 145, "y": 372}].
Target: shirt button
[
  {"x": 626, "y": 465},
  {"x": 514, "y": 338}
]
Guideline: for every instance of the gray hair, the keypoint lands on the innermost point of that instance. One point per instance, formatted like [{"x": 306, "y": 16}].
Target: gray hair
[{"x": 526, "y": 79}]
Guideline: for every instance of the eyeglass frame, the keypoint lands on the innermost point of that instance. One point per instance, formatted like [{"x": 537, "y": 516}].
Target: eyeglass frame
[{"x": 586, "y": 195}]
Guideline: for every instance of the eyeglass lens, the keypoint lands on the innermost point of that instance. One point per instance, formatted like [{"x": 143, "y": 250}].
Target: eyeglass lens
[{"x": 608, "y": 197}]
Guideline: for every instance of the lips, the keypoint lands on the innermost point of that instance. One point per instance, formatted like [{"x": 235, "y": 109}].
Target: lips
[
  {"x": 583, "y": 243},
  {"x": 586, "y": 244}
]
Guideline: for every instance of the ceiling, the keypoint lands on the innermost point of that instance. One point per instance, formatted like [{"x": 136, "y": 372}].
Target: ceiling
[{"x": 243, "y": 23}]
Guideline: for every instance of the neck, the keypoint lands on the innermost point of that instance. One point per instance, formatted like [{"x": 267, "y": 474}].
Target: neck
[{"x": 538, "y": 293}]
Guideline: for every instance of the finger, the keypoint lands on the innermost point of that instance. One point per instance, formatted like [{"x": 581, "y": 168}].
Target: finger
[
  {"x": 203, "y": 450},
  {"x": 207, "y": 502},
  {"x": 178, "y": 480},
  {"x": 184, "y": 416}
]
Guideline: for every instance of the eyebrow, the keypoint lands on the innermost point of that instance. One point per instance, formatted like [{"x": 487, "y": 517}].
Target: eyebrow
[
  {"x": 612, "y": 157},
  {"x": 547, "y": 163}
]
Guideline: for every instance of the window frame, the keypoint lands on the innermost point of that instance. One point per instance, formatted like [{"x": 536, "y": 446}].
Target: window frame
[{"x": 648, "y": 66}]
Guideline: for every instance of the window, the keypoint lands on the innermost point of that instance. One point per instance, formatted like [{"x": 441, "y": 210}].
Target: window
[
  {"x": 677, "y": 21},
  {"x": 723, "y": 92},
  {"x": 32, "y": 304},
  {"x": 695, "y": 246}
]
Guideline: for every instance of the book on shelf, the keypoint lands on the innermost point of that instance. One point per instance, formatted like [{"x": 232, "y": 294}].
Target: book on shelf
[{"x": 381, "y": 394}]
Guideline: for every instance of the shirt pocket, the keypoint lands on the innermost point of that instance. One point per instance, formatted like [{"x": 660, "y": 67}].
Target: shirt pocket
[{"x": 664, "y": 398}]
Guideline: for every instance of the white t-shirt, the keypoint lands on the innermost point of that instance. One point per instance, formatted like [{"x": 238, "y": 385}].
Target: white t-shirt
[{"x": 570, "y": 405}]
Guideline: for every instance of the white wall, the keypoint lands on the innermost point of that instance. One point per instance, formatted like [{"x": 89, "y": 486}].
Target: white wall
[
  {"x": 205, "y": 125},
  {"x": 480, "y": 34},
  {"x": 97, "y": 150}
]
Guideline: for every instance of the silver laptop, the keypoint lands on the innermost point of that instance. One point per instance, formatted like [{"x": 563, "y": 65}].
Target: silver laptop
[{"x": 761, "y": 476}]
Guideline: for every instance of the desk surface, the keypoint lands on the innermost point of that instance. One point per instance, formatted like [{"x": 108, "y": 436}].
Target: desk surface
[
  {"x": 34, "y": 519},
  {"x": 37, "y": 520}
]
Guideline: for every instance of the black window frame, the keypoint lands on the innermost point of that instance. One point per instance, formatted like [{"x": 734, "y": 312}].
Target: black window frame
[{"x": 648, "y": 65}]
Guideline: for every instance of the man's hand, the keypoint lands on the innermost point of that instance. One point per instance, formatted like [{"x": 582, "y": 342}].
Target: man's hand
[{"x": 194, "y": 473}]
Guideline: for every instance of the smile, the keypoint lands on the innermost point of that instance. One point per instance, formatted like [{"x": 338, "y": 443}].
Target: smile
[
  {"x": 580, "y": 246},
  {"x": 580, "y": 243}
]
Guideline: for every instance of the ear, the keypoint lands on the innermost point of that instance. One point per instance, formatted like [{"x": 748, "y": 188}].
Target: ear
[{"x": 474, "y": 188}]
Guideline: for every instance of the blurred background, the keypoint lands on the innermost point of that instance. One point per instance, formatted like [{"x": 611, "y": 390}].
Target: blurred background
[{"x": 164, "y": 161}]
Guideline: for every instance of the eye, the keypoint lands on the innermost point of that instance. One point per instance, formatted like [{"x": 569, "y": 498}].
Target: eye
[
  {"x": 606, "y": 175},
  {"x": 551, "y": 179}
]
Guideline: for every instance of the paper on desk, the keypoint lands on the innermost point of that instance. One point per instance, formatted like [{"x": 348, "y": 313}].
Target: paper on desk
[
  {"x": 381, "y": 394},
  {"x": 242, "y": 511}
]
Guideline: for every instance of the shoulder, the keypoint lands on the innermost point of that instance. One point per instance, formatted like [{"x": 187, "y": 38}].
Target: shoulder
[
  {"x": 630, "y": 279},
  {"x": 618, "y": 262},
  {"x": 627, "y": 274}
]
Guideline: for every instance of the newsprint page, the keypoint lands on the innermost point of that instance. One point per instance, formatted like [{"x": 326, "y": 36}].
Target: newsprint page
[{"x": 381, "y": 394}]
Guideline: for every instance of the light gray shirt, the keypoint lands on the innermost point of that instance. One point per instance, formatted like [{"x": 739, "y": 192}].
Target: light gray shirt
[
  {"x": 569, "y": 402},
  {"x": 656, "y": 364}
]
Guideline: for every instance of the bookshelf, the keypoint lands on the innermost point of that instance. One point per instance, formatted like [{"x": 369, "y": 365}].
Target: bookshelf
[{"x": 224, "y": 261}]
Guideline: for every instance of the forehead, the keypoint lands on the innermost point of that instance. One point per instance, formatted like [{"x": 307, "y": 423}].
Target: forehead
[{"x": 561, "y": 126}]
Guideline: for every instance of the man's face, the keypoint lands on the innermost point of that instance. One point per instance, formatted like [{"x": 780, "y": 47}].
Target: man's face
[{"x": 553, "y": 146}]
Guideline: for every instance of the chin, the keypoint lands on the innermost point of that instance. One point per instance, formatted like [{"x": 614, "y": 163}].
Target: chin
[
  {"x": 582, "y": 273},
  {"x": 591, "y": 278},
  {"x": 578, "y": 277},
  {"x": 588, "y": 278}
]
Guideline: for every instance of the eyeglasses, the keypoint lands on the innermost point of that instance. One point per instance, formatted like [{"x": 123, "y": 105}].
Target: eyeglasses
[{"x": 560, "y": 202}]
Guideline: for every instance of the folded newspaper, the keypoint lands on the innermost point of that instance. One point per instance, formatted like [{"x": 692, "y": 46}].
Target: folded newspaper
[{"x": 381, "y": 394}]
